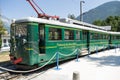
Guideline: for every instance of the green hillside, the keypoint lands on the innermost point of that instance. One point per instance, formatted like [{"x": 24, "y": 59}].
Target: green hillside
[{"x": 102, "y": 12}]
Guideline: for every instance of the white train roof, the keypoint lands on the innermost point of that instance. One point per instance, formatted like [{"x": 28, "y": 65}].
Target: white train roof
[
  {"x": 117, "y": 33},
  {"x": 55, "y": 22},
  {"x": 68, "y": 20}
]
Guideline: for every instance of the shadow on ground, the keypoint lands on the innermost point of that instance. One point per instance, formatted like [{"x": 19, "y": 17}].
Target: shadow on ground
[
  {"x": 5, "y": 63},
  {"x": 106, "y": 60}
]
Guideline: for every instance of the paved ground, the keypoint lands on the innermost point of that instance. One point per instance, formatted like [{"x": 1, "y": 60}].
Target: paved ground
[
  {"x": 102, "y": 66},
  {"x": 4, "y": 56}
]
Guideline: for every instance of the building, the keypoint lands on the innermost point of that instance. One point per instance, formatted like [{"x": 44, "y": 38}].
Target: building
[{"x": 5, "y": 42}]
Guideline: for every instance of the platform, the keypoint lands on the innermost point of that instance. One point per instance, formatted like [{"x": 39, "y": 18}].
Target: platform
[{"x": 101, "y": 66}]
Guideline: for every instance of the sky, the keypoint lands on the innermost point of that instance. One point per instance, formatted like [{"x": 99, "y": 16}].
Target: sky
[{"x": 15, "y": 9}]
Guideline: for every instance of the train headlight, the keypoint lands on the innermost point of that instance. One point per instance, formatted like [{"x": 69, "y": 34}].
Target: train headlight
[{"x": 24, "y": 41}]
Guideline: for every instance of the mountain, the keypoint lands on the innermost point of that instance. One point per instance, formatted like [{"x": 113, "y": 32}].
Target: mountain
[
  {"x": 102, "y": 12},
  {"x": 6, "y": 22}
]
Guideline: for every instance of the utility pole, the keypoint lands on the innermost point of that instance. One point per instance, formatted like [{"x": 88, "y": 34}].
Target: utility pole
[
  {"x": 0, "y": 13},
  {"x": 81, "y": 14}
]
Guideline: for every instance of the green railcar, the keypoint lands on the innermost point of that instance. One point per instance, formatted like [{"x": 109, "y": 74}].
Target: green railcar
[
  {"x": 98, "y": 40},
  {"x": 36, "y": 41},
  {"x": 114, "y": 39}
]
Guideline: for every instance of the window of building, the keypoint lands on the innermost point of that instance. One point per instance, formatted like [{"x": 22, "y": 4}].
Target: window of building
[
  {"x": 55, "y": 34},
  {"x": 77, "y": 35},
  {"x": 4, "y": 40},
  {"x": 5, "y": 45},
  {"x": 8, "y": 40},
  {"x": 69, "y": 35}
]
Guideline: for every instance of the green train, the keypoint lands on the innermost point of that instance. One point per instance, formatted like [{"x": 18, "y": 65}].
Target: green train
[{"x": 34, "y": 41}]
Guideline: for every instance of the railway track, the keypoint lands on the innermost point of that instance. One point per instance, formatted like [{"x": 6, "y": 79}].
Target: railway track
[
  {"x": 9, "y": 72},
  {"x": 8, "y": 76}
]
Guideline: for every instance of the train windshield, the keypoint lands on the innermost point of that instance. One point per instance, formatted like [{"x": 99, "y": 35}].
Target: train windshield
[
  {"x": 18, "y": 36},
  {"x": 21, "y": 30}
]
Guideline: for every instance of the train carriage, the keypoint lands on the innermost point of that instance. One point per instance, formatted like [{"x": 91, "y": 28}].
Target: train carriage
[
  {"x": 34, "y": 41},
  {"x": 98, "y": 40},
  {"x": 114, "y": 39}
]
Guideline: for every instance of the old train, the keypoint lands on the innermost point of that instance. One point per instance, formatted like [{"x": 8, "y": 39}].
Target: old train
[{"x": 34, "y": 41}]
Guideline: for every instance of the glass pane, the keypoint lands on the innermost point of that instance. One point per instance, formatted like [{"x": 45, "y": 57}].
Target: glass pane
[
  {"x": 69, "y": 35},
  {"x": 77, "y": 35},
  {"x": 84, "y": 35},
  {"x": 55, "y": 34},
  {"x": 42, "y": 33},
  {"x": 21, "y": 30}
]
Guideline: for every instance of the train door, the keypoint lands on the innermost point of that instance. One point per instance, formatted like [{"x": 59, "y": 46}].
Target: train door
[
  {"x": 109, "y": 39},
  {"x": 42, "y": 38},
  {"x": 84, "y": 40},
  {"x": 88, "y": 41}
]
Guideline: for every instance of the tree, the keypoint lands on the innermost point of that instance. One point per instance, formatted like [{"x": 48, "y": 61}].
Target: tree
[
  {"x": 97, "y": 22},
  {"x": 71, "y": 16},
  {"x": 2, "y": 31},
  {"x": 113, "y": 21}
]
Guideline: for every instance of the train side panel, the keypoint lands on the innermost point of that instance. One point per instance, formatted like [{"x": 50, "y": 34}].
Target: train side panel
[{"x": 98, "y": 41}]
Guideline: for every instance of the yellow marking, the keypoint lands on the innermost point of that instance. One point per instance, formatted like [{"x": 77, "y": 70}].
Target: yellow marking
[
  {"x": 43, "y": 47},
  {"x": 51, "y": 47},
  {"x": 99, "y": 43},
  {"x": 65, "y": 46},
  {"x": 28, "y": 48}
]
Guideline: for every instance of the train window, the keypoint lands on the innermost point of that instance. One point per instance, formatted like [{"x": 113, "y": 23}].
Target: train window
[
  {"x": 55, "y": 34},
  {"x": 91, "y": 36},
  {"x": 118, "y": 37},
  {"x": 42, "y": 38},
  {"x": 42, "y": 33},
  {"x": 21, "y": 30},
  {"x": 69, "y": 35},
  {"x": 106, "y": 36},
  {"x": 113, "y": 37},
  {"x": 95, "y": 36},
  {"x": 101, "y": 36},
  {"x": 84, "y": 35},
  {"x": 77, "y": 35}
]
